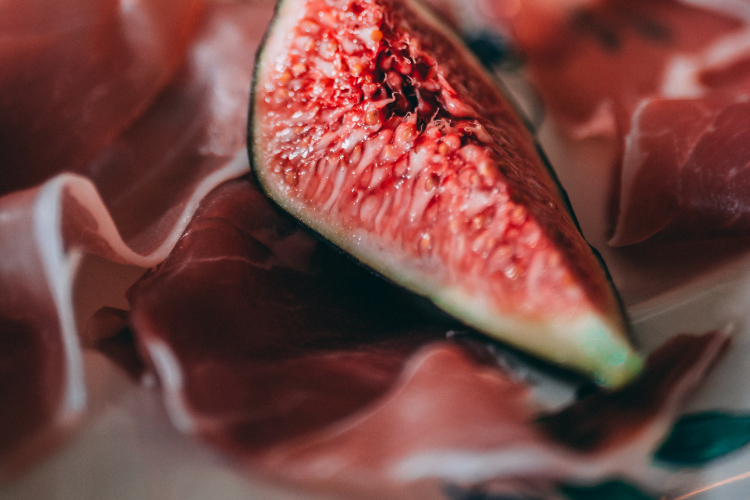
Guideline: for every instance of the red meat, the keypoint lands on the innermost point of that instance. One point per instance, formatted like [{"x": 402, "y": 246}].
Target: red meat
[
  {"x": 76, "y": 73},
  {"x": 149, "y": 183},
  {"x": 670, "y": 81}
]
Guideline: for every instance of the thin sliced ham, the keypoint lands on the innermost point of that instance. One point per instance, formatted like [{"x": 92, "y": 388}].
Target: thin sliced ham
[
  {"x": 131, "y": 206},
  {"x": 669, "y": 82},
  {"x": 40, "y": 362},
  {"x": 258, "y": 335},
  {"x": 451, "y": 420},
  {"x": 309, "y": 370},
  {"x": 76, "y": 73},
  {"x": 685, "y": 170}
]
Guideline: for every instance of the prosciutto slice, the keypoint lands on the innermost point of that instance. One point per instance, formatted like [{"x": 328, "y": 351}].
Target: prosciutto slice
[
  {"x": 131, "y": 206},
  {"x": 258, "y": 335},
  {"x": 671, "y": 84},
  {"x": 76, "y": 73},
  {"x": 40, "y": 363},
  {"x": 685, "y": 169},
  {"x": 308, "y": 369}
]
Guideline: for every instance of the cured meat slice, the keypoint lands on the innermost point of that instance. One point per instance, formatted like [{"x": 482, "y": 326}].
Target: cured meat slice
[
  {"x": 41, "y": 384},
  {"x": 309, "y": 370},
  {"x": 258, "y": 335},
  {"x": 629, "y": 44},
  {"x": 685, "y": 170},
  {"x": 76, "y": 73},
  {"x": 452, "y": 420},
  {"x": 191, "y": 140},
  {"x": 672, "y": 80}
]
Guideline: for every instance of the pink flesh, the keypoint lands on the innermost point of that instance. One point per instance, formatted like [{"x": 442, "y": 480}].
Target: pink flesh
[
  {"x": 673, "y": 174},
  {"x": 76, "y": 73},
  {"x": 371, "y": 138},
  {"x": 151, "y": 180},
  {"x": 286, "y": 359}
]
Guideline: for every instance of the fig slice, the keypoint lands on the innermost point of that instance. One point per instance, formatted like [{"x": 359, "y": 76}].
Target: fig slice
[{"x": 373, "y": 125}]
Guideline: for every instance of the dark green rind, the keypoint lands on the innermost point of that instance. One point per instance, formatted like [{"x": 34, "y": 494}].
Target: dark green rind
[
  {"x": 613, "y": 490},
  {"x": 700, "y": 438}
]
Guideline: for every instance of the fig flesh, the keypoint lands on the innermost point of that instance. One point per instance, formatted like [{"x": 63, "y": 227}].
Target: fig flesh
[{"x": 373, "y": 125}]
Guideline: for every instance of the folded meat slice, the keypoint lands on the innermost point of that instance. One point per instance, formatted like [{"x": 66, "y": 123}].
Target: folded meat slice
[
  {"x": 76, "y": 73},
  {"x": 685, "y": 170},
  {"x": 191, "y": 139},
  {"x": 132, "y": 207},
  {"x": 258, "y": 335},
  {"x": 308, "y": 369},
  {"x": 686, "y": 153},
  {"x": 671, "y": 82},
  {"x": 41, "y": 384},
  {"x": 449, "y": 419},
  {"x": 629, "y": 44}
]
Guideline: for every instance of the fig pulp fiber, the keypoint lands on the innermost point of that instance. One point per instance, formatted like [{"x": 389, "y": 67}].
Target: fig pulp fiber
[{"x": 373, "y": 125}]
